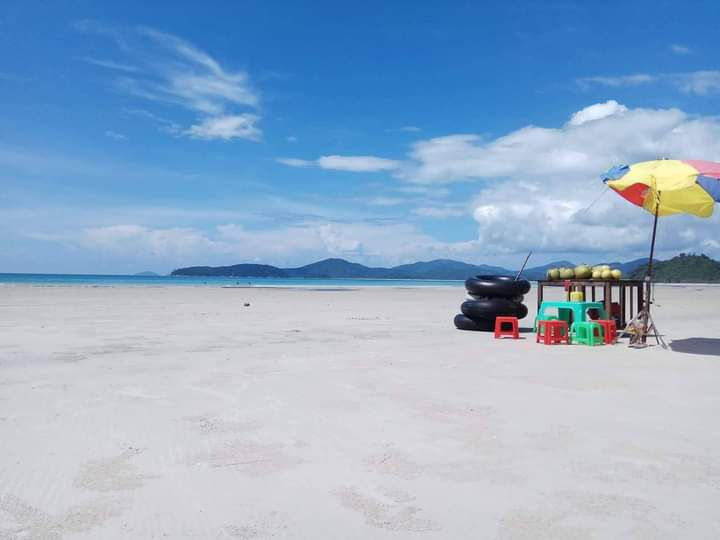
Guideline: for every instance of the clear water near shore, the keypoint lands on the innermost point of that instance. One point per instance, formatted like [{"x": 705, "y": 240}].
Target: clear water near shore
[{"x": 169, "y": 281}]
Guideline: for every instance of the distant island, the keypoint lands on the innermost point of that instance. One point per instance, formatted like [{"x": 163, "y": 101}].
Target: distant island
[
  {"x": 147, "y": 273},
  {"x": 340, "y": 268},
  {"x": 683, "y": 269}
]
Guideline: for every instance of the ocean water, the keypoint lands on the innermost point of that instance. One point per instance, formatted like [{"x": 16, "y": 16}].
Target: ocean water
[{"x": 57, "y": 280}]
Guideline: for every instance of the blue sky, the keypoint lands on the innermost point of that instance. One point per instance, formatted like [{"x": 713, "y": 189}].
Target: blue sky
[{"x": 151, "y": 135}]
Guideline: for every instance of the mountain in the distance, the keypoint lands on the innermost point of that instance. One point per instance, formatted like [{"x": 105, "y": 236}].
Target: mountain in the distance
[
  {"x": 445, "y": 269},
  {"x": 683, "y": 269},
  {"x": 329, "y": 268},
  {"x": 147, "y": 273},
  {"x": 539, "y": 272},
  {"x": 340, "y": 268},
  {"x": 629, "y": 267},
  {"x": 236, "y": 270}
]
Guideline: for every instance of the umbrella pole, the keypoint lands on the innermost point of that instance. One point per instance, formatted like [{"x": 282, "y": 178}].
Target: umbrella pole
[
  {"x": 648, "y": 276},
  {"x": 643, "y": 323}
]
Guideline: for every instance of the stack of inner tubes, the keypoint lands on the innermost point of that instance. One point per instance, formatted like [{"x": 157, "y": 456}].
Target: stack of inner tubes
[{"x": 489, "y": 297}]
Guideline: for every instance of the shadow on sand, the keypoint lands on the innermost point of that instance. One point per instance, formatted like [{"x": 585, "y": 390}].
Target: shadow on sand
[{"x": 697, "y": 345}]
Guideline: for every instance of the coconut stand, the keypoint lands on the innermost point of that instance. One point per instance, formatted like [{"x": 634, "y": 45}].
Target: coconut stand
[{"x": 629, "y": 294}]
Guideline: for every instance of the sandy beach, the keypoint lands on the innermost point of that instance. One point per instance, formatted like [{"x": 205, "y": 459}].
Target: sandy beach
[{"x": 178, "y": 412}]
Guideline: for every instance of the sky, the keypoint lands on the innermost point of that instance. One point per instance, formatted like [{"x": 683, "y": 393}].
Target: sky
[{"x": 153, "y": 135}]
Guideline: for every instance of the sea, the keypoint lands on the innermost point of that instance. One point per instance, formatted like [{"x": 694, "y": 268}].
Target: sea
[{"x": 94, "y": 280}]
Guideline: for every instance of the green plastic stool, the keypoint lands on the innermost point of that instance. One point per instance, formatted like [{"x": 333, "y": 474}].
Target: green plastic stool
[{"x": 584, "y": 333}]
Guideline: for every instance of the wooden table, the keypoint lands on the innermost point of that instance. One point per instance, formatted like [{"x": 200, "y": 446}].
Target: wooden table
[{"x": 630, "y": 293}]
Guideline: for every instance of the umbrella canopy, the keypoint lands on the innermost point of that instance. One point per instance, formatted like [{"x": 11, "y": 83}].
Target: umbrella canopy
[{"x": 668, "y": 186}]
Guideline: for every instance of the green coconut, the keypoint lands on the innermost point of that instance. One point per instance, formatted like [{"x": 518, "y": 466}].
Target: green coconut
[
  {"x": 597, "y": 274},
  {"x": 583, "y": 271},
  {"x": 616, "y": 273},
  {"x": 567, "y": 273},
  {"x": 553, "y": 274},
  {"x": 606, "y": 274}
]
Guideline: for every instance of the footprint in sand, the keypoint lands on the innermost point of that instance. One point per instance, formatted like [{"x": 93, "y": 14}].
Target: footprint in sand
[
  {"x": 389, "y": 509},
  {"x": 270, "y": 526},
  {"x": 249, "y": 457},
  {"x": 20, "y": 520},
  {"x": 116, "y": 473},
  {"x": 393, "y": 463},
  {"x": 566, "y": 515},
  {"x": 216, "y": 424}
]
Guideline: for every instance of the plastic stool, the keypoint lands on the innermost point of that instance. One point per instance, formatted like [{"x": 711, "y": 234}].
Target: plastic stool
[
  {"x": 587, "y": 333},
  {"x": 513, "y": 332},
  {"x": 552, "y": 332},
  {"x": 610, "y": 329}
]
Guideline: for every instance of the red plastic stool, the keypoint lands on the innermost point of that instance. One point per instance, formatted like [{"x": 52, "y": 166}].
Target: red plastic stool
[
  {"x": 554, "y": 332},
  {"x": 609, "y": 330},
  {"x": 514, "y": 331}
]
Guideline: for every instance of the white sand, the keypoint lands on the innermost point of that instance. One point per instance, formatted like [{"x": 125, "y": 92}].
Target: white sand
[{"x": 179, "y": 413}]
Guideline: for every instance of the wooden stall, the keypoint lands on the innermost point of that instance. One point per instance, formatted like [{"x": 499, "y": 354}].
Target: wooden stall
[{"x": 629, "y": 294}]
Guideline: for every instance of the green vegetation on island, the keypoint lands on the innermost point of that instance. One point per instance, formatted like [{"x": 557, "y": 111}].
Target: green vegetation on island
[{"x": 683, "y": 269}]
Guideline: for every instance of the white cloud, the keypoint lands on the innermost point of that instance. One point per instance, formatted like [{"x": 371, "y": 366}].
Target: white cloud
[
  {"x": 226, "y": 127},
  {"x": 701, "y": 83},
  {"x": 551, "y": 177},
  {"x": 110, "y": 64},
  {"x": 597, "y": 112},
  {"x": 538, "y": 182},
  {"x": 163, "y": 124},
  {"x": 573, "y": 150},
  {"x": 357, "y": 163},
  {"x": 139, "y": 240},
  {"x": 386, "y": 201},
  {"x": 435, "y": 192},
  {"x": 190, "y": 77},
  {"x": 170, "y": 70},
  {"x": 385, "y": 243},
  {"x": 440, "y": 211},
  {"x": 295, "y": 162},
  {"x": 371, "y": 243},
  {"x": 115, "y": 135},
  {"x": 681, "y": 50},
  {"x": 345, "y": 163},
  {"x": 616, "y": 81}
]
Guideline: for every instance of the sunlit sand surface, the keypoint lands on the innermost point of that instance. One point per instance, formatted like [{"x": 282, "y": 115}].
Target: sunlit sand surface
[{"x": 179, "y": 412}]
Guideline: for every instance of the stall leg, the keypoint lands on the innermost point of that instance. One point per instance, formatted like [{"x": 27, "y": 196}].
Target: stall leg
[
  {"x": 539, "y": 295},
  {"x": 608, "y": 298}
]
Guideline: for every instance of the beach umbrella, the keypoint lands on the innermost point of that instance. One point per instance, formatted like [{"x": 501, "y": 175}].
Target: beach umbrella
[{"x": 665, "y": 187}]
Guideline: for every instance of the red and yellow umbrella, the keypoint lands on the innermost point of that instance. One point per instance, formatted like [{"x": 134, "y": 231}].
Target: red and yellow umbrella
[
  {"x": 668, "y": 186},
  {"x": 665, "y": 187}
]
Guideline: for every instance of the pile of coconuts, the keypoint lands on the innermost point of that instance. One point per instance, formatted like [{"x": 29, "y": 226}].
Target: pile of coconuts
[{"x": 583, "y": 271}]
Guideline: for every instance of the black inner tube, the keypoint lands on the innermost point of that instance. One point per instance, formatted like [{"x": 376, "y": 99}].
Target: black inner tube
[
  {"x": 497, "y": 286},
  {"x": 480, "y": 325}
]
